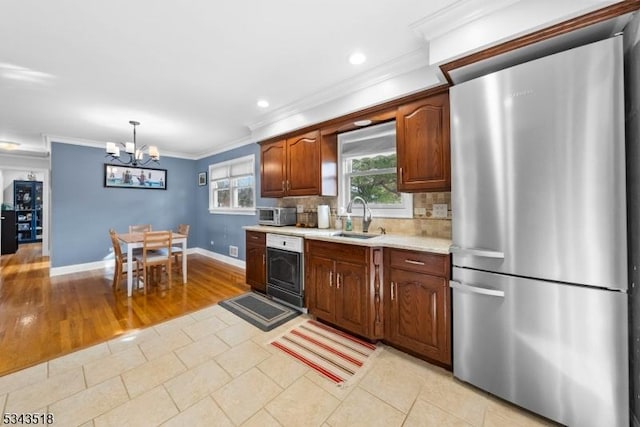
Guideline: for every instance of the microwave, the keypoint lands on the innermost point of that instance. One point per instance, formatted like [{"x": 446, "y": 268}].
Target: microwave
[{"x": 277, "y": 216}]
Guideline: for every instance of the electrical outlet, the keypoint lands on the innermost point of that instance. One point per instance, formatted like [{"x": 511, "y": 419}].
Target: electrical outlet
[
  {"x": 212, "y": 243},
  {"x": 440, "y": 210},
  {"x": 420, "y": 211},
  {"x": 300, "y": 208},
  {"x": 233, "y": 251}
]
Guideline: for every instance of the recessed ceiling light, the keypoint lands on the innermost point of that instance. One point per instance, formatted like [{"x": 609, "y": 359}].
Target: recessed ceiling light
[
  {"x": 362, "y": 122},
  {"x": 263, "y": 103},
  {"x": 357, "y": 58}
]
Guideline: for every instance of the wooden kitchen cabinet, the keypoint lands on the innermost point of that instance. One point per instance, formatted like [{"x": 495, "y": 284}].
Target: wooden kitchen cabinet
[
  {"x": 417, "y": 304},
  {"x": 303, "y": 165},
  {"x": 340, "y": 287},
  {"x": 300, "y": 165},
  {"x": 273, "y": 173},
  {"x": 320, "y": 287},
  {"x": 256, "y": 265},
  {"x": 291, "y": 167},
  {"x": 423, "y": 147}
]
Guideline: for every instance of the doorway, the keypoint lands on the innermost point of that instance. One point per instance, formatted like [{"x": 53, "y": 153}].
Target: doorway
[{"x": 40, "y": 223}]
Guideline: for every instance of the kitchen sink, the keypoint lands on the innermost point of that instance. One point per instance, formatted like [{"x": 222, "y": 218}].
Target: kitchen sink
[{"x": 355, "y": 235}]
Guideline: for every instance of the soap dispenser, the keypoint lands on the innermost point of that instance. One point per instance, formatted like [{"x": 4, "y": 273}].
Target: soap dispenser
[{"x": 349, "y": 225}]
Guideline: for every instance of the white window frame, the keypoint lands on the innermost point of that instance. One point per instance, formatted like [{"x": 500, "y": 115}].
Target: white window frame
[
  {"x": 225, "y": 169},
  {"x": 404, "y": 210}
]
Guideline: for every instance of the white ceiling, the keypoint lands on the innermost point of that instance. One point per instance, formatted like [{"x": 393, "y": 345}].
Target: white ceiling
[{"x": 190, "y": 72}]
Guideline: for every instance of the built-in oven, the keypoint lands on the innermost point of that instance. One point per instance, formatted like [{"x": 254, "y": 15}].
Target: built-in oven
[{"x": 285, "y": 265}]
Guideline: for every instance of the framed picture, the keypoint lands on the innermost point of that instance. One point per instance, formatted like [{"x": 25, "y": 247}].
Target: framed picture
[
  {"x": 202, "y": 179},
  {"x": 121, "y": 176}
]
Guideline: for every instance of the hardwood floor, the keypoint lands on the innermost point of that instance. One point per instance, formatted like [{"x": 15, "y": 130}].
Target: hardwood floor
[{"x": 42, "y": 318}]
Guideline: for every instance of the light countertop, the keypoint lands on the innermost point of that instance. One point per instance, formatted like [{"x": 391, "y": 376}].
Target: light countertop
[{"x": 399, "y": 241}]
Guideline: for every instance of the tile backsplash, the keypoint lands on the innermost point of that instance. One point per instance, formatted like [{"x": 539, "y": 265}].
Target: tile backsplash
[{"x": 422, "y": 223}]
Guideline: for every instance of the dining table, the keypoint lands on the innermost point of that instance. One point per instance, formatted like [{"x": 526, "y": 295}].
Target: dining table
[{"x": 136, "y": 240}]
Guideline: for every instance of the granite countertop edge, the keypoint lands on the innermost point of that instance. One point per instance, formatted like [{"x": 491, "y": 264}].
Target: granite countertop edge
[{"x": 398, "y": 241}]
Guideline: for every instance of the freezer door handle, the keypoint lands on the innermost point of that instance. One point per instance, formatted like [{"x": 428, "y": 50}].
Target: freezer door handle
[
  {"x": 475, "y": 289},
  {"x": 476, "y": 252}
]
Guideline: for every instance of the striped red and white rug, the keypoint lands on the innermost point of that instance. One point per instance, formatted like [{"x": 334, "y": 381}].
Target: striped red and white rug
[{"x": 336, "y": 355}]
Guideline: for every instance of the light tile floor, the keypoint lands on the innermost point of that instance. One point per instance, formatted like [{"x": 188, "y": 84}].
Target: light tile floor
[{"x": 210, "y": 368}]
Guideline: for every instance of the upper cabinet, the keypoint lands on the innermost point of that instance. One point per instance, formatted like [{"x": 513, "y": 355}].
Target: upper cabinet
[
  {"x": 424, "y": 156},
  {"x": 301, "y": 165},
  {"x": 306, "y": 164},
  {"x": 273, "y": 173}
]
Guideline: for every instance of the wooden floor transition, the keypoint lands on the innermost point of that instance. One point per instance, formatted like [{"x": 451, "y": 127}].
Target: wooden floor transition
[{"x": 44, "y": 317}]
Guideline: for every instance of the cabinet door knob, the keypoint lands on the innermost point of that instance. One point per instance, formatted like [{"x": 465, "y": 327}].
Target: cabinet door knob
[
  {"x": 393, "y": 294},
  {"x": 282, "y": 185},
  {"x": 338, "y": 280},
  {"x": 331, "y": 279}
]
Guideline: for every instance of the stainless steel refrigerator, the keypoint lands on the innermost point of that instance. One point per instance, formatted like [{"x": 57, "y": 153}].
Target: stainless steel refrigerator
[{"x": 539, "y": 235}]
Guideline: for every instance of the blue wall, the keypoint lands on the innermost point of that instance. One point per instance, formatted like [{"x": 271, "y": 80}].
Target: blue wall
[
  {"x": 225, "y": 230},
  {"x": 83, "y": 210}
]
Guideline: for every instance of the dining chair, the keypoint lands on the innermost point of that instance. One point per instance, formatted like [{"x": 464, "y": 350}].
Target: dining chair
[
  {"x": 120, "y": 260},
  {"x": 176, "y": 251},
  {"x": 155, "y": 258},
  {"x": 139, "y": 228}
]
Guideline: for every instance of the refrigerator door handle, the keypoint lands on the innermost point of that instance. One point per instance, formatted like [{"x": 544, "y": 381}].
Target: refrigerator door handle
[
  {"x": 476, "y": 290},
  {"x": 476, "y": 252}
]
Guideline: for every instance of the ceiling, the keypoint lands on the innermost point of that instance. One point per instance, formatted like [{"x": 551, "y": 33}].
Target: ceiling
[{"x": 191, "y": 72}]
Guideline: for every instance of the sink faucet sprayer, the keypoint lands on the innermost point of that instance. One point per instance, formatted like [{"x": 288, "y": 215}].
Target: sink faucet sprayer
[{"x": 365, "y": 220}]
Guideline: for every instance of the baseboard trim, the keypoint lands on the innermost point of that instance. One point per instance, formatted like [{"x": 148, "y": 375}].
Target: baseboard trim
[
  {"x": 78, "y": 268},
  {"x": 108, "y": 263},
  {"x": 222, "y": 258}
]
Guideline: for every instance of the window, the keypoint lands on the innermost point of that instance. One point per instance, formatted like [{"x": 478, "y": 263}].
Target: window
[
  {"x": 367, "y": 168},
  {"x": 232, "y": 186}
]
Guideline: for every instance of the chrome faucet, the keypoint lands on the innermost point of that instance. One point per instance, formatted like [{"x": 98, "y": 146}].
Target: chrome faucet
[{"x": 365, "y": 220}]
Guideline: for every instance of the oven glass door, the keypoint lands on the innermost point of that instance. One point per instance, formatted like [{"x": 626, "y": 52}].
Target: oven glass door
[{"x": 284, "y": 270}]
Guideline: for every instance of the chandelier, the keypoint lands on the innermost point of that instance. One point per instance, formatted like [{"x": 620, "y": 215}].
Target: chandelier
[{"x": 136, "y": 155}]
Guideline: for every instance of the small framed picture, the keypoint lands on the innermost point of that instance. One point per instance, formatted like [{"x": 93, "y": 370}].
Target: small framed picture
[{"x": 202, "y": 179}]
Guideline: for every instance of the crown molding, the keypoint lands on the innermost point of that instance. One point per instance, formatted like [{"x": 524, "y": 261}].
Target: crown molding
[
  {"x": 73, "y": 141},
  {"x": 98, "y": 144},
  {"x": 456, "y": 15},
  {"x": 237, "y": 143},
  {"x": 386, "y": 71}
]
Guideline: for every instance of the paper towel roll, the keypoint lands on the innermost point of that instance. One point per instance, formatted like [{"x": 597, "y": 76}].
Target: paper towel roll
[{"x": 323, "y": 216}]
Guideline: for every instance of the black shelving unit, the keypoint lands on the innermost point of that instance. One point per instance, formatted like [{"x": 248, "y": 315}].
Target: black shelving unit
[
  {"x": 27, "y": 196},
  {"x": 9, "y": 240}
]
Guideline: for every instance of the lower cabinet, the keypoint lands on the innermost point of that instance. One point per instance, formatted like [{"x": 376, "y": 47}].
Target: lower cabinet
[
  {"x": 256, "y": 266},
  {"x": 417, "y": 304},
  {"x": 411, "y": 311},
  {"x": 342, "y": 287}
]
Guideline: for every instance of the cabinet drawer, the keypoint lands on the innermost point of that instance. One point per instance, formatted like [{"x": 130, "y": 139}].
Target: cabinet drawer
[
  {"x": 420, "y": 262},
  {"x": 338, "y": 251},
  {"x": 256, "y": 237}
]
